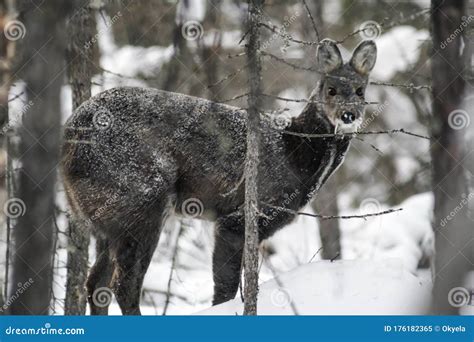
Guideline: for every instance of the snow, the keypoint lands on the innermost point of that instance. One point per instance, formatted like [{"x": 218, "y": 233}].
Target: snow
[
  {"x": 190, "y": 10},
  {"x": 397, "y": 48},
  {"x": 344, "y": 287}
]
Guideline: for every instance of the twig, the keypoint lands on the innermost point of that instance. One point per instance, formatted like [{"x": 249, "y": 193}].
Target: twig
[
  {"x": 243, "y": 37},
  {"x": 330, "y": 217},
  {"x": 240, "y": 54},
  {"x": 312, "y": 20},
  {"x": 342, "y": 134},
  {"x": 143, "y": 78},
  {"x": 15, "y": 97},
  {"x": 411, "y": 87},
  {"x": 335, "y": 257},
  {"x": 371, "y": 145},
  {"x": 314, "y": 255},
  {"x": 280, "y": 284},
  {"x": 232, "y": 74},
  {"x": 275, "y": 30},
  {"x": 311, "y": 101},
  {"x": 235, "y": 98}
]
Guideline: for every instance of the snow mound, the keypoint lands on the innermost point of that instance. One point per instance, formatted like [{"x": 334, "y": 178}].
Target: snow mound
[{"x": 355, "y": 287}]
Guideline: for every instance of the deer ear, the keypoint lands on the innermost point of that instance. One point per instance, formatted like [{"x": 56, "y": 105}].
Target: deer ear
[
  {"x": 364, "y": 57},
  {"x": 328, "y": 56}
]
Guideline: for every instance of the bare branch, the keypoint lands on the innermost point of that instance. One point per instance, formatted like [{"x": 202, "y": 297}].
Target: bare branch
[
  {"x": 331, "y": 217},
  {"x": 311, "y": 101},
  {"x": 312, "y": 20},
  {"x": 231, "y": 75},
  {"x": 235, "y": 98},
  {"x": 330, "y": 135}
]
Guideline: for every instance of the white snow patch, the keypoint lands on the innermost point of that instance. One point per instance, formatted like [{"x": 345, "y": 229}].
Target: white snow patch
[
  {"x": 358, "y": 287},
  {"x": 397, "y": 50},
  {"x": 129, "y": 60},
  {"x": 195, "y": 10}
]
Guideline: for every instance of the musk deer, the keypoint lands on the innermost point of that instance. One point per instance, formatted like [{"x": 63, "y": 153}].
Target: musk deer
[{"x": 132, "y": 154}]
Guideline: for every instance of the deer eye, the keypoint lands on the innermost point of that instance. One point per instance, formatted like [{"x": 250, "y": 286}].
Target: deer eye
[
  {"x": 360, "y": 92},
  {"x": 332, "y": 91}
]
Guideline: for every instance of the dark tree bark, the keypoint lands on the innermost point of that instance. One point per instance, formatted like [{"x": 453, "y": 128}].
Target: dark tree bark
[
  {"x": 454, "y": 244},
  {"x": 80, "y": 30},
  {"x": 251, "y": 165},
  {"x": 42, "y": 69}
]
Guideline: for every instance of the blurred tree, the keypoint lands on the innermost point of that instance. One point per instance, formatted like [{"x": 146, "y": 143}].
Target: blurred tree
[
  {"x": 41, "y": 68},
  {"x": 454, "y": 244},
  {"x": 7, "y": 53}
]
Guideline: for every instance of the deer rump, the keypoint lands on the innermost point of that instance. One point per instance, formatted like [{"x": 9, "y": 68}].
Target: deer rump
[{"x": 131, "y": 154}]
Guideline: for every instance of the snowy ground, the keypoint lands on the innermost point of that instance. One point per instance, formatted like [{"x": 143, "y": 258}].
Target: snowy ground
[{"x": 347, "y": 287}]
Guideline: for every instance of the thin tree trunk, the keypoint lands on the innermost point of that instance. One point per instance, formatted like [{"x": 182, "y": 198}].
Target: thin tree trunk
[
  {"x": 42, "y": 70},
  {"x": 7, "y": 53},
  {"x": 454, "y": 243},
  {"x": 80, "y": 31},
  {"x": 325, "y": 203},
  {"x": 251, "y": 165}
]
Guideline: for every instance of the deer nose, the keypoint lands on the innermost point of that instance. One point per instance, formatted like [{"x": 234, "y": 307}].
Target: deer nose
[{"x": 348, "y": 117}]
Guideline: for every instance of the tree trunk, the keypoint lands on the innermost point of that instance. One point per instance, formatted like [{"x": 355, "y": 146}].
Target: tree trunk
[
  {"x": 42, "y": 69},
  {"x": 453, "y": 233},
  {"x": 7, "y": 53},
  {"x": 251, "y": 164},
  {"x": 79, "y": 59},
  {"x": 325, "y": 203}
]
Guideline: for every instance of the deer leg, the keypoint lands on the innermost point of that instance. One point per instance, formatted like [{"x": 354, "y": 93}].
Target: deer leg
[
  {"x": 227, "y": 258},
  {"x": 98, "y": 293},
  {"x": 133, "y": 251}
]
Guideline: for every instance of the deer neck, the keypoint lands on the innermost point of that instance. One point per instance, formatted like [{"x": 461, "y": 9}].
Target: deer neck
[{"x": 310, "y": 154}]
